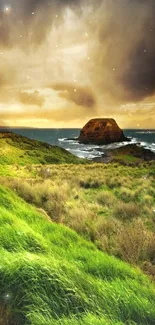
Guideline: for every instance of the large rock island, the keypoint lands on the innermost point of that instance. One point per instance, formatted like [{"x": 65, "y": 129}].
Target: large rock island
[{"x": 101, "y": 131}]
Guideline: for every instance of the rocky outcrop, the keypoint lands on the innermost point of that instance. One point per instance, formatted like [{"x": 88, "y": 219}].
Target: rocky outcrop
[
  {"x": 101, "y": 131},
  {"x": 130, "y": 155}
]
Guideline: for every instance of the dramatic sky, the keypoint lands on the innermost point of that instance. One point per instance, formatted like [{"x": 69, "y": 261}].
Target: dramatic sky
[{"x": 65, "y": 61}]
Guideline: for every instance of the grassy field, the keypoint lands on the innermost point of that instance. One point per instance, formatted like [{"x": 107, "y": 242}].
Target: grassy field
[
  {"x": 50, "y": 275},
  {"x": 16, "y": 149},
  {"x": 111, "y": 205},
  {"x": 87, "y": 273}
]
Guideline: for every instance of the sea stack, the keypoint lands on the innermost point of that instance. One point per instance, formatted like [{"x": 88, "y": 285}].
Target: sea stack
[{"x": 101, "y": 131}]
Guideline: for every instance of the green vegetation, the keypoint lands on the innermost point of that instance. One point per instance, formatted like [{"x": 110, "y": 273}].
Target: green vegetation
[
  {"x": 131, "y": 154},
  {"x": 52, "y": 275},
  {"x": 111, "y": 205},
  {"x": 49, "y": 275},
  {"x": 16, "y": 149}
]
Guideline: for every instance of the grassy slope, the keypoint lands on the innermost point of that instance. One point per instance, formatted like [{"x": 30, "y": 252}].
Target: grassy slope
[
  {"x": 16, "y": 149},
  {"x": 49, "y": 275},
  {"x": 111, "y": 205}
]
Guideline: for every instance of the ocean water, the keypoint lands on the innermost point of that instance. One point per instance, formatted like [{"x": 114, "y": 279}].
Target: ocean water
[{"x": 58, "y": 137}]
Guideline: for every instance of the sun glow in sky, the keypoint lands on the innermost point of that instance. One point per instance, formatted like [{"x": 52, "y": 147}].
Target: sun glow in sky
[
  {"x": 64, "y": 63},
  {"x": 7, "y": 9}
]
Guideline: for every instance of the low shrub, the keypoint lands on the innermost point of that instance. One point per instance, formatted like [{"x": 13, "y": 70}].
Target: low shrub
[
  {"x": 126, "y": 211},
  {"x": 82, "y": 220},
  {"x": 126, "y": 195},
  {"x": 106, "y": 198},
  {"x": 90, "y": 183},
  {"x": 113, "y": 182},
  {"x": 133, "y": 242}
]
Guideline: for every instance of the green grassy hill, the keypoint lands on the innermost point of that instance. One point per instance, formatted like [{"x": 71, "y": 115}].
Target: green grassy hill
[
  {"x": 16, "y": 149},
  {"x": 109, "y": 204},
  {"x": 51, "y": 276}
]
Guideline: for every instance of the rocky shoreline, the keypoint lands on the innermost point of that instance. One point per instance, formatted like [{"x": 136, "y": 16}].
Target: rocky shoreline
[{"x": 129, "y": 154}]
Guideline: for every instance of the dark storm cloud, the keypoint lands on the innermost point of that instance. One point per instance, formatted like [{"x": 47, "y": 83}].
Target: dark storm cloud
[
  {"x": 140, "y": 77},
  {"x": 29, "y": 18},
  {"x": 124, "y": 53},
  {"x": 81, "y": 96},
  {"x": 121, "y": 35}
]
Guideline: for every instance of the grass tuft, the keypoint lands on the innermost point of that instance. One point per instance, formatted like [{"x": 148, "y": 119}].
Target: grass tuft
[{"x": 126, "y": 211}]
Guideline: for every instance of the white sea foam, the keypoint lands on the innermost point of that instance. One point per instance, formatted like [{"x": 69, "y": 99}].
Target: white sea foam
[
  {"x": 68, "y": 141},
  {"x": 90, "y": 151},
  {"x": 62, "y": 139},
  {"x": 93, "y": 151},
  {"x": 86, "y": 152}
]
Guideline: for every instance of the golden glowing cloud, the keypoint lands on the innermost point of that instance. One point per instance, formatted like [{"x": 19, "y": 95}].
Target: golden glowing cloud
[{"x": 97, "y": 56}]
